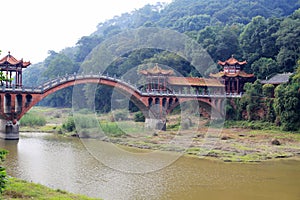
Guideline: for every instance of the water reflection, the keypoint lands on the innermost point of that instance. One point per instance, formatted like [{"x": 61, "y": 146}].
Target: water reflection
[{"x": 64, "y": 163}]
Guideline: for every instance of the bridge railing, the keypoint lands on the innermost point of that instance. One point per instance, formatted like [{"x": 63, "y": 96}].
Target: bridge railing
[{"x": 73, "y": 77}]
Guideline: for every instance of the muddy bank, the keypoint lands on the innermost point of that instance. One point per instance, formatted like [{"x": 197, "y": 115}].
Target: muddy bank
[{"x": 228, "y": 145}]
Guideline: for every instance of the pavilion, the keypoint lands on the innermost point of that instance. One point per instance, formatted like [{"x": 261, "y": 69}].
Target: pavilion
[{"x": 11, "y": 68}]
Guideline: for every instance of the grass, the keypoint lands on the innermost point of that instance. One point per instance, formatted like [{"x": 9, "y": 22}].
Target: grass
[
  {"x": 32, "y": 119},
  {"x": 19, "y": 189}
]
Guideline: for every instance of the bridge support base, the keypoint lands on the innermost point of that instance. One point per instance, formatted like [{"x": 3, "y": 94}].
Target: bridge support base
[
  {"x": 8, "y": 130},
  {"x": 157, "y": 124}
]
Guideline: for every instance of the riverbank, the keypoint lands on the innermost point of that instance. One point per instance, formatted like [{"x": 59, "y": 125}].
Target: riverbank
[
  {"x": 20, "y": 189},
  {"x": 234, "y": 144},
  {"x": 228, "y": 145}
]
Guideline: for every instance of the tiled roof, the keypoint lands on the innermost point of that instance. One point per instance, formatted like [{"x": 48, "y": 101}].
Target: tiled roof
[
  {"x": 278, "y": 79},
  {"x": 193, "y": 81},
  {"x": 232, "y": 61},
  {"x": 9, "y": 59},
  {"x": 239, "y": 73},
  {"x": 157, "y": 71}
]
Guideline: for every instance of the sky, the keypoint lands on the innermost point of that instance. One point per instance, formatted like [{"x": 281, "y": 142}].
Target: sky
[{"x": 29, "y": 28}]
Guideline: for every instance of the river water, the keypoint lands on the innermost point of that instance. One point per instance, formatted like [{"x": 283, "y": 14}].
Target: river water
[{"x": 66, "y": 163}]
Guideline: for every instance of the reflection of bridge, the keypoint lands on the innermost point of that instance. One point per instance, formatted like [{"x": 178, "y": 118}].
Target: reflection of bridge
[{"x": 16, "y": 101}]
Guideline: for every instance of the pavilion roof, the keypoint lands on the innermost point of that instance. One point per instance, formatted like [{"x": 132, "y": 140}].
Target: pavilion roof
[
  {"x": 194, "y": 81},
  {"x": 232, "y": 61},
  {"x": 156, "y": 70},
  {"x": 10, "y": 60},
  {"x": 238, "y": 73}
]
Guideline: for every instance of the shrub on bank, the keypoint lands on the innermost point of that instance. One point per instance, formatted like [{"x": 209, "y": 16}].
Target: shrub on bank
[
  {"x": 139, "y": 117},
  {"x": 69, "y": 124},
  {"x": 3, "y": 178}
]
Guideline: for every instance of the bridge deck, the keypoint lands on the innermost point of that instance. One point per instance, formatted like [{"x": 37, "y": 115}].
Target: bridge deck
[{"x": 69, "y": 78}]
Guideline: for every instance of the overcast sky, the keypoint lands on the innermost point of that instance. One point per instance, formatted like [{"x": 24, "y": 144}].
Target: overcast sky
[{"x": 29, "y": 28}]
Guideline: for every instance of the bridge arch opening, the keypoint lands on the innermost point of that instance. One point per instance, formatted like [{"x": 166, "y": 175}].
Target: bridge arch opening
[
  {"x": 157, "y": 101},
  {"x": 19, "y": 102},
  {"x": 164, "y": 102},
  {"x": 7, "y": 103},
  {"x": 150, "y": 102},
  {"x": 28, "y": 100}
]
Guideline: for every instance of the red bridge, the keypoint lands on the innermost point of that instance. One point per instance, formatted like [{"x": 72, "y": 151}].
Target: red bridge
[{"x": 161, "y": 90}]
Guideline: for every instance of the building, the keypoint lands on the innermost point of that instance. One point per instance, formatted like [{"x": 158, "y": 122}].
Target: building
[
  {"x": 160, "y": 80},
  {"x": 233, "y": 76},
  {"x": 11, "y": 69},
  {"x": 278, "y": 79}
]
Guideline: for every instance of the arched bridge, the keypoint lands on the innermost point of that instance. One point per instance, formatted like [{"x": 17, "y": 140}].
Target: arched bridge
[{"x": 15, "y": 102}]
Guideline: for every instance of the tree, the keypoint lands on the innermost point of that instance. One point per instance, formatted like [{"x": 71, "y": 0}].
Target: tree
[
  {"x": 264, "y": 68},
  {"x": 250, "y": 101},
  {"x": 59, "y": 65},
  {"x": 250, "y": 38},
  {"x": 85, "y": 45},
  {"x": 287, "y": 106},
  {"x": 287, "y": 103},
  {"x": 268, "y": 90},
  {"x": 288, "y": 41},
  {"x": 227, "y": 43}
]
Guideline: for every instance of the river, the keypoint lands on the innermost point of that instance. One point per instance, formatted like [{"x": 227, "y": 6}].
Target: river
[{"x": 67, "y": 164}]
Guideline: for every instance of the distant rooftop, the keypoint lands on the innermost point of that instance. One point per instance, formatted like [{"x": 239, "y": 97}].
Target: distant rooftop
[{"x": 278, "y": 79}]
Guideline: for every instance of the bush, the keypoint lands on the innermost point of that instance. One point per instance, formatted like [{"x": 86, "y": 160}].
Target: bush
[
  {"x": 80, "y": 122},
  {"x": 139, "y": 117},
  {"x": 69, "y": 124},
  {"x": 120, "y": 115},
  {"x": 85, "y": 121},
  {"x": 3, "y": 178},
  {"x": 111, "y": 129},
  {"x": 32, "y": 119}
]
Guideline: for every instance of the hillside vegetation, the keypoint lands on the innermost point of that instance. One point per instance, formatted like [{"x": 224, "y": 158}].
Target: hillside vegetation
[{"x": 263, "y": 32}]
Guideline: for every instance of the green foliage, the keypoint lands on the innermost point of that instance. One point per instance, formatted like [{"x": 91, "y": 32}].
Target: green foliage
[
  {"x": 230, "y": 111},
  {"x": 19, "y": 189},
  {"x": 69, "y": 124},
  {"x": 4, "y": 78},
  {"x": 32, "y": 119},
  {"x": 264, "y": 67},
  {"x": 3, "y": 178},
  {"x": 287, "y": 105},
  {"x": 296, "y": 76},
  {"x": 85, "y": 121},
  {"x": 174, "y": 127},
  {"x": 270, "y": 115},
  {"x": 111, "y": 129},
  {"x": 251, "y": 99},
  {"x": 268, "y": 90},
  {"x": 139, "y": 117},
  {"x": 288, "y": 41}
]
